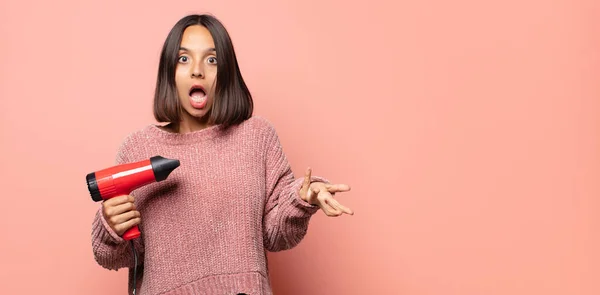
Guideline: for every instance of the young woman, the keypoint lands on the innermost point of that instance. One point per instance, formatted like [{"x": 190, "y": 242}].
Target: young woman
[{"x": 206, "y": 229}]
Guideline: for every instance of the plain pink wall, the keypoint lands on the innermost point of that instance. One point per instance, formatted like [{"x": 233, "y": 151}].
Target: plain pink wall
[{"x": 469, "y": 131}]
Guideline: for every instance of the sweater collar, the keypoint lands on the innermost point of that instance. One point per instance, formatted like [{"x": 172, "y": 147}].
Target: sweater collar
[{"x": 183, "y": 138}]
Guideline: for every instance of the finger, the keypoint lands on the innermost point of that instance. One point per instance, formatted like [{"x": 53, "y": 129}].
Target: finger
[
  {"x": 121, "y": 228},
  {"x": 336, "y": 188},
  {"x": 335, "y": 204},
  {"x": 309, "y": 193},
  {"x": 314, "y": 190},
  {"x": 307, "y": 176},
  {"x": 116, "y": 210},
  {"x": 329, "y": 210},
  {"x": 122, "y": 218},
  {"x": 118, "y": 200}
]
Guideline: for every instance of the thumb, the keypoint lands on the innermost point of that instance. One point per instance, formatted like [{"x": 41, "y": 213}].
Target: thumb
[
  {"x": 305, "y": 184},
  {"x": 307, "y": 177}
]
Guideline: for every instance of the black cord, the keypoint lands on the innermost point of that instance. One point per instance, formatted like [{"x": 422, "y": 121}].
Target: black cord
[{"x": 135, "y": 266}]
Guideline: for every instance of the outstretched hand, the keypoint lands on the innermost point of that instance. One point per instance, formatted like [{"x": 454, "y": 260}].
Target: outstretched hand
[{"x": 321, "y": 194}]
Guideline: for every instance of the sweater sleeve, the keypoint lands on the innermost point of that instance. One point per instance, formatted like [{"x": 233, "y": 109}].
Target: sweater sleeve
[
  {"x": 110, "y": 250},
  {"x": 286, "y": 215}
]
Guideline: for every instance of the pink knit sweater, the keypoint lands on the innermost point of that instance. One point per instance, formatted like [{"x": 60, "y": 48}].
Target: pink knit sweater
[{"x": 207, "y": 227}]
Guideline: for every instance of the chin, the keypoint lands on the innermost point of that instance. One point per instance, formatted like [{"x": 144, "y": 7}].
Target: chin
[{"x": 197, "y": 113}]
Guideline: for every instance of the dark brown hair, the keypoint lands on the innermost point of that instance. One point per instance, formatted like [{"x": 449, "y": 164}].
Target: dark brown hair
[{"x": 232, "y": 102}]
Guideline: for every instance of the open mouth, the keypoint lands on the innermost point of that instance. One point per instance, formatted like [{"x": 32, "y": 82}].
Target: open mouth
[
  {"x": 197, "y": 93},
  {"x": 198, "y": 97}
]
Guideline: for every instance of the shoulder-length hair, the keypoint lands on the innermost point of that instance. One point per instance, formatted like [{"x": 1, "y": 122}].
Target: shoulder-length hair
[{"x": 232, "y": 102}]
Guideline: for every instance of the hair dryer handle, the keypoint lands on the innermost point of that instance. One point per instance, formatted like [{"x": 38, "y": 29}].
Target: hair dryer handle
[{"x": 132, "y": 233}]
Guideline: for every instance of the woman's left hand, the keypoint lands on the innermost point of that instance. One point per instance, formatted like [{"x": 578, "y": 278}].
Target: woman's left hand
[{"x": 321, "y": 194}]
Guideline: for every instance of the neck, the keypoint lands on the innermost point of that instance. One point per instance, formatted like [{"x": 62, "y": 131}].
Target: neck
[{"x": 192, "y": 124}]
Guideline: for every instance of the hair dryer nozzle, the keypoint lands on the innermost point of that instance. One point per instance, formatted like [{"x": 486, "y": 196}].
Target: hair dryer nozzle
[
  {"x": 162, "y": 167},
  {"x": 93, "y": 187}
]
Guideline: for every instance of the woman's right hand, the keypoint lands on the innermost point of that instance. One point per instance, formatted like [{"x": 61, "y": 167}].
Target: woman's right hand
[{"x": 120, "y": 213}]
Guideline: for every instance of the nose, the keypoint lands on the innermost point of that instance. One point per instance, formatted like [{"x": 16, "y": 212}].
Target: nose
[{"x": 197, "y": 70}]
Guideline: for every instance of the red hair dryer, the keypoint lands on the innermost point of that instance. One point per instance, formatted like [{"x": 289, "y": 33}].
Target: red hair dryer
[{"x": 123, "y": 179}]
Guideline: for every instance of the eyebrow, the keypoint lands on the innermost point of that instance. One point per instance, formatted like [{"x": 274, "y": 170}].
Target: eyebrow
[{"x": 209, "y": 49}]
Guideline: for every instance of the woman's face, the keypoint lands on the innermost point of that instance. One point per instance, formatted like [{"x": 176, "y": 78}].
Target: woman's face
[{"x": 196, "y": 72}]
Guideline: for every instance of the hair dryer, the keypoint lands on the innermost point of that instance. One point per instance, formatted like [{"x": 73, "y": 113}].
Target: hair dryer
[{"x": 123, "y": 179}]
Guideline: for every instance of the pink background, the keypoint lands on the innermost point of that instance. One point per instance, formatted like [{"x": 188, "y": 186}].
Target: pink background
[{"x": 468, "y": 130}]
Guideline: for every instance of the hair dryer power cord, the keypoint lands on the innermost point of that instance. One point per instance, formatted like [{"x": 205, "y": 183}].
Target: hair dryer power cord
[{"x": 134, "y": 267}]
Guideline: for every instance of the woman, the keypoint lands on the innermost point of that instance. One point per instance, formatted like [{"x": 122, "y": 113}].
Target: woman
[{"x": 206, "y": 229}]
